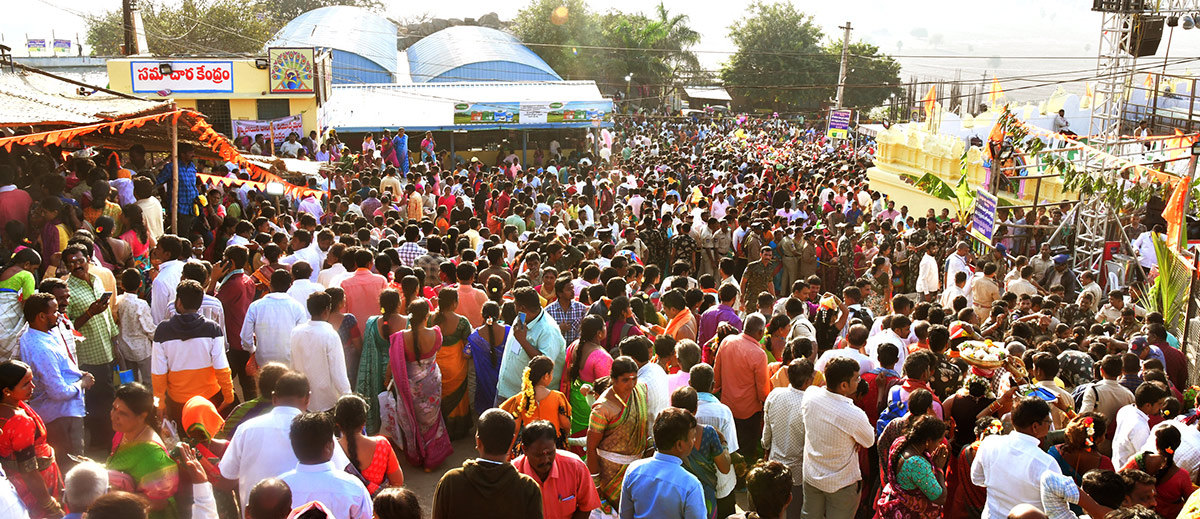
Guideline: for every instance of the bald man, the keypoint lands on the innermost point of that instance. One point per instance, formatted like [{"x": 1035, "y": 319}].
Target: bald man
[{"x": 271, "y": 498}]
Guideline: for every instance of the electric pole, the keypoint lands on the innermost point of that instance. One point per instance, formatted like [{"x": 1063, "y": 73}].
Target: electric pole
[{"x": 842, "y": 74}]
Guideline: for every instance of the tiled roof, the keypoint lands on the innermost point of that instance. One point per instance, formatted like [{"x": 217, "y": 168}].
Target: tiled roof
[{"x": 33, "y": 99}]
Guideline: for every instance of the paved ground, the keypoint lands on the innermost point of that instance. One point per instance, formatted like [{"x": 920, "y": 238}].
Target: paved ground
[{"x": 423, "y": 483}]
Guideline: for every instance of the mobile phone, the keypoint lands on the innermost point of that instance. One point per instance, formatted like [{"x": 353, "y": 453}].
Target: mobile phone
[
  {"x": 106, "y": 297},
  {"x": 521, "y": 317}
]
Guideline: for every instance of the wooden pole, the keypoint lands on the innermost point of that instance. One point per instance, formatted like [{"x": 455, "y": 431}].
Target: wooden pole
[
  {"x": 271, "y": 127},
  {"x": 174, "y": 174}
]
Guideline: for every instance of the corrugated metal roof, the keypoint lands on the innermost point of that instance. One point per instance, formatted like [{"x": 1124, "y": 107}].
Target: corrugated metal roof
[
  {"x": 709, "y": 93},
  {"x": 439, "y": 54},
  {"x": 431, "y": 105},
  {"x": 346, "y": 28},
  {"x": 27, "y": 98}
]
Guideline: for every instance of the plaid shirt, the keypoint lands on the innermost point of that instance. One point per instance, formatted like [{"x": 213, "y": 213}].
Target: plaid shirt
[
  {"x": 572, "y": 316},
  {"x": 96, "y": 347},
  {"x": 1058, "y": 493},
  {"x": 432, "y": 264},
  {"x": 187, "y": 185},
  {"x": 409, "y": 252}
]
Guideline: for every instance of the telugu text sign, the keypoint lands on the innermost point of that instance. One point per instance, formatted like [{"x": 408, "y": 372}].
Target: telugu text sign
[
  {"x": 185, "y": 77},
  {"x": 983, "y": 220},
  {"x": 839, "y": 124}
]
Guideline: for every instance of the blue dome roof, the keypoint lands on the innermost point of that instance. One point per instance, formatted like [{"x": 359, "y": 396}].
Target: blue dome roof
[
  {"x": 345, "y": 28},
  {"x": 472, "y": 53}
]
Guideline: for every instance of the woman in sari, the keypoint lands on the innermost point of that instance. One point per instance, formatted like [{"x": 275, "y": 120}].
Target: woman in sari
[
  {"x": 880, "y": 276},
  {"x": 965, "y": 497},
  {"x": 25, "y": 453},
  {"x": 486, "y": 348},
  {"x": 617, "y": 431},
  {"x": 620, "y": 315},
  {"x": 373, "y": 373},
  {"x": 347, "y": 328},
  {"x": 452, "y": 361},
  {"x": 139, "y": 240},
  {"x": 17, "y": 283},
  {"x": 418, "y": 386},
  {"x": 915, "y": 483},
  {"x": 537, "y": 401},
  {"x": 586, "y": 361},
  {"x": 371, "y": 456},
  {"x": 115, "y": 254},
  {"x": 140, "y": 462}
]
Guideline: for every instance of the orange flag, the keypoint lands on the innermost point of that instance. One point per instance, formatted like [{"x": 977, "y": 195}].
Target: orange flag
[
  {"x": 1173, "y": 213},
  {"x": 995, "y": 92},
  {"x": 929, "y": 101}
]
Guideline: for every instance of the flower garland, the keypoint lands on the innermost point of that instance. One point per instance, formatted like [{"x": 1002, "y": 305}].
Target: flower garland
[
  {"x": 527, "y": 403},
  {"x": 1091, "y": 433}
]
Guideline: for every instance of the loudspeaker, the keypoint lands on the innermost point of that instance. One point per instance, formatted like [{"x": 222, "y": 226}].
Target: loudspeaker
[
  {"x": 1154, "y": 210},
  {"x": 1147, "y": 34}
]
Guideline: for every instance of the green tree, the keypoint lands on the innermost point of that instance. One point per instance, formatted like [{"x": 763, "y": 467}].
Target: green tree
[
  {"x": 871, "y": 77},
  {"x": 778, "y": 60},
  {"x": 652, "y": 50},
  {"x": 559, "y": 45},
  {"x": 205, "y": 26}
]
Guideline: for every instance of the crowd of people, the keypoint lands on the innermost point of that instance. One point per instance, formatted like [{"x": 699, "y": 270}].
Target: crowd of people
[{"x": 705, "y": 309}]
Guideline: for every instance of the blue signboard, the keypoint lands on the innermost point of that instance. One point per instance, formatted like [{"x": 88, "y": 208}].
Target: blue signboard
[
  {"x": 983, "y": 220},
  {"x": 839, "y": 124}
]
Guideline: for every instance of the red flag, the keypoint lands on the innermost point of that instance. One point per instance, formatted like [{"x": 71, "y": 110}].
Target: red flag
[{"x": 929, "y": 101}]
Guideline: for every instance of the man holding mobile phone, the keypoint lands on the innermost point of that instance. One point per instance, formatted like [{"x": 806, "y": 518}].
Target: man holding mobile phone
[
  {"x": 89, "y": 311},
  {"x": 535, "y": 333}
]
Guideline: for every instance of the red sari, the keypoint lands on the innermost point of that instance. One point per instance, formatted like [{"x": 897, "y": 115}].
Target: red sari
[
  {"x": 965, "y": 498},
  {"x": 22, "y": 443}
]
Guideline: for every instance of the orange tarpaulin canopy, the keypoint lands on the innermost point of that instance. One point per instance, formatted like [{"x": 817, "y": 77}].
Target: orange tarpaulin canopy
[{"x": 117, "y": 134}]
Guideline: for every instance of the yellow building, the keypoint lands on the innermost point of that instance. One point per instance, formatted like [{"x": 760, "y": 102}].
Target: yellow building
[{"x": 288, "y": 82}]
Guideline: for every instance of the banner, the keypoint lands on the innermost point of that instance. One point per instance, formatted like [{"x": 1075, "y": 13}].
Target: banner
[
  {"x": 62, "y": 46},
  {"x": 533, "y": 112},
  {"x": 35, "y": 46},
  {"x": 839, "y": 124},
  {"x": 983, "y": 220},
  {"x": 282, "y": 127},
  {"x": 185, "y": 76},
  {"x": 292, "y": 70}
]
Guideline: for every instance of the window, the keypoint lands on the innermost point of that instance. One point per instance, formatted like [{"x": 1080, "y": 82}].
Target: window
[
  {"x": 217, "y": 112},
  {"x": 273, "y": 109}
]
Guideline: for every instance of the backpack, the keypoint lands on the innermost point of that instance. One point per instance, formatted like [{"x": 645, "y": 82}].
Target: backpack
[
  {"x": 863, "y": 315},
  {"x": 896, "y": 408},
  {"x": 1080, "y": 391},
  {"x": 874, "y": 401}
]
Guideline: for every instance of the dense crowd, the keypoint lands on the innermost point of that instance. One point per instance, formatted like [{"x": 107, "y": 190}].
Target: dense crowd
[{"x": 646, "y": 323}]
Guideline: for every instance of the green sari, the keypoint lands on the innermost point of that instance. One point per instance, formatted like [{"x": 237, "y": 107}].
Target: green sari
[
  {"x": 623, "y": 442},
  {"x": 145, "y": 468},
  {"x": 371, "y": 368}
]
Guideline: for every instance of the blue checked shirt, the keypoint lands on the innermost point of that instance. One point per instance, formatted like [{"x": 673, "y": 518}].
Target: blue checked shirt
[
  {"x": 187, "y": 184},
  {"x": 572, "y": 316}
]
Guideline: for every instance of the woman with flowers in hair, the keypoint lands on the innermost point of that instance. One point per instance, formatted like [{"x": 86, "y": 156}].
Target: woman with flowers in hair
[
  {"x": 965, "y": 497},
  {"x": 1080, "y": 451},
  {"x": 1174, "y": 484},
  {"x": 537, "y": 401}
]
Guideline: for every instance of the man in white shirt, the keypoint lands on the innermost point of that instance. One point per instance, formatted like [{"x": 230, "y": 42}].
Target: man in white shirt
[
  {"x": 1144, "y": 244},
  {"x": 856, "y": 340},
  {"x": 170, "y": 272},
  {"x": 953, "y": 292},
  {"x": 291, "y": 147},
  {"x": 783, "y": 426},
  {"x": 897, "y": 333},
  {"x": 834, "y": 430},
  {"x": 255, "y": 453},
  {"x": 658, "y": 396},
  {"x": 315, "y": 477},
  {"x": 1023, "y": 284},
  {"x": 1111, "y": 312},
  {"x": 1133, "y": 427},
  {"x": 270, "y": 320},
  {"x": 302, "y": 286},
  {"x": 316, "y": 350},
  {"x": 927, "y": 277},
  {"x": 710, "y": 411},
  {"x": 1010, "y": 466},
  {"x": 958, "y": 262},
  {"x": 306, "y": 250},
  {"x": 1088, "y": 280},
  {"x": 1107, "y": 396}
]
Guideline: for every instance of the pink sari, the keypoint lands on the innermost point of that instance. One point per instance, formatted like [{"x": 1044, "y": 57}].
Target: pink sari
[{"x": 418, "y": 387}]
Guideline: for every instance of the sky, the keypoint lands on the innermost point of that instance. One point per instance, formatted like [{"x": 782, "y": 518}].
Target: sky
[{"x": 967, "y": 40}]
